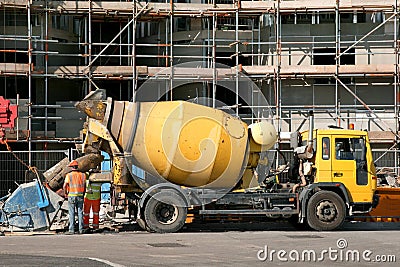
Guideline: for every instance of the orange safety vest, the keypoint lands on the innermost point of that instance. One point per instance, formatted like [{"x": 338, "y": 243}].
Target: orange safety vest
[{"x": 76, "y": 183}]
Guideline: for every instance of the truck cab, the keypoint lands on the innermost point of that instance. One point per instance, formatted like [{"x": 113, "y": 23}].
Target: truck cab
[
  {"x": 344, "y": 156},
  {"x": 343, "y": 172}
]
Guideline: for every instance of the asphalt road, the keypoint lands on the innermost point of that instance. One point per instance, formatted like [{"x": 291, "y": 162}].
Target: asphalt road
[{"x": 269, "y": 244}]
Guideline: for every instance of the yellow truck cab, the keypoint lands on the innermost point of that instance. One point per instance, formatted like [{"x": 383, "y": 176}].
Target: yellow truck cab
[
  {"x": 345, "y": 156},
  {"x": 343, "y": 172}
]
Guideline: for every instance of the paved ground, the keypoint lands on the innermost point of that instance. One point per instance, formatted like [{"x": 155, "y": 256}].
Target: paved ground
[{"x": 209, "y": 245}]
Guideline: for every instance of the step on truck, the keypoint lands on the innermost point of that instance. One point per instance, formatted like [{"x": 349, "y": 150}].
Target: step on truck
[{"x": 177, "y": 160}]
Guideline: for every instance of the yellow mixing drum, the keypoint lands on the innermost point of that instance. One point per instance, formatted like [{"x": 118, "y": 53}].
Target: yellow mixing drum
[{"x": 185, "y": 143}]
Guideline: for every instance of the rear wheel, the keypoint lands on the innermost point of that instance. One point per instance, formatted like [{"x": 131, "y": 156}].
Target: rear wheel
[
  {"x": 325, "y": 211},
  {"x": 165, "y": 212}
]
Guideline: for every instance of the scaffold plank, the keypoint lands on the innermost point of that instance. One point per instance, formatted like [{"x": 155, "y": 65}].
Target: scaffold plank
[
  {"x": 294, "y": 70},
  {"x": 13, "y": 69},
  {"x": 164, "y": 9},
  {"x": 381, "y": 136},
  {"x": 115, "y": 71}
]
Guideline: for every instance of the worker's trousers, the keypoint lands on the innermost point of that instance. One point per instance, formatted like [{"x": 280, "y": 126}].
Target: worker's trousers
[
  {"x": 95, "y": 206},
  {"x": 75, "y": 202}
]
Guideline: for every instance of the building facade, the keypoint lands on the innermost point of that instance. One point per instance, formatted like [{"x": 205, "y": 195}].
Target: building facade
[{"x": 337, "y": 58}]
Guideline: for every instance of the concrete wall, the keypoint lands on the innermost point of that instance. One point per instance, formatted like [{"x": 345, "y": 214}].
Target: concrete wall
[
  {"x": 304, "y": 38},
  {"x": 299, "y": 96}
]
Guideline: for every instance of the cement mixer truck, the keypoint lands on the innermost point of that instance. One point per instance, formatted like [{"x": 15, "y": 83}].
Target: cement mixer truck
[{"x": 177, "y": 160}]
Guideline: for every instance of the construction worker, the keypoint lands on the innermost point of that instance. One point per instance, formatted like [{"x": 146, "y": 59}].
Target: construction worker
[
  {"x": 91, "y": 201},
  {"x": 74, "y": 188}
]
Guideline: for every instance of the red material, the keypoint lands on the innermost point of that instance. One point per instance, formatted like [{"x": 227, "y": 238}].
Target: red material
[
  {"x": 389, "y": 203},
  {"x": 73, "y": 163},
  {"x": 95, "y": 205},
  {"x": 8, "y": 114}
]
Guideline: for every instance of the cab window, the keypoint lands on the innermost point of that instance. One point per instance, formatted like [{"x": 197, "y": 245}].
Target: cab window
[
  {"x": 342, "y": 149},
  {"x": 325, "y": 148},
  {"x": 349, "y": 149}
]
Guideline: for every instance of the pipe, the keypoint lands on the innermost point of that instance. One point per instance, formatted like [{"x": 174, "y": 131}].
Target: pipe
[
  {"x": 133, "y": 60},
  {"x": 18, "y": 119},
  {"x": 171, "y": 59},
  {"x": 337, "y": 62},
  {"x": 237, "y": 59},
  {"x": 30, "y": 67},
  {"x": 214, "y": 57},
  {"x": 396, "y": 80},
  {"x": 89, "y": 75},
  {"x": 310, "y": 132},
  {"x": 46, "y": 79}
]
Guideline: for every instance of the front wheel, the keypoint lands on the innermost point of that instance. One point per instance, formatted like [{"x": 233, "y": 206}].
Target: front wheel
[
  {"x": 325, "y": 211},
  {"x": 165, "y": 212}
]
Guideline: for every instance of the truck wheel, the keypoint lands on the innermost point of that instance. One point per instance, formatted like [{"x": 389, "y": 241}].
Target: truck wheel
[
  {"x": 165, "y": 212},
  {"x": 325, "y": 211}
]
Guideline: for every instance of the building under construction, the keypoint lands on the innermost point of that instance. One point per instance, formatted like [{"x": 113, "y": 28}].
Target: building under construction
[{"x": 338, "y": 58}]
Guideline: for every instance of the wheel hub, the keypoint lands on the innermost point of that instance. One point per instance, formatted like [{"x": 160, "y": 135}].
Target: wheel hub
[
  {"x": 326, "y": 211},
  {"x": 166, "y": 214}
]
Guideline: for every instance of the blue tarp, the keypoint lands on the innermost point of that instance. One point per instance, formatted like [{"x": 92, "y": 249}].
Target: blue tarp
[
  {"x": 105, "y": 187},
  {"x": 31, "y": 207}
]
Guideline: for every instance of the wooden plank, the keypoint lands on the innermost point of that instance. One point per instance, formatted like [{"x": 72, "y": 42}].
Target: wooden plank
[
  {"x": 379, "y": 69},
  {"x": 116, "y": 71},
  {"x": 303, "y": 5},
  {"x": 381, "y": 136},
  {"x": 13, "y": 69},
  {"x": 164, "y": 9}
]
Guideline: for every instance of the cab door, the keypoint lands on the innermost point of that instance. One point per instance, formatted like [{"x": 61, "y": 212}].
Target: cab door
[
  {"x": 349, "y": 166},
  {"x": 324, "y": 158}
]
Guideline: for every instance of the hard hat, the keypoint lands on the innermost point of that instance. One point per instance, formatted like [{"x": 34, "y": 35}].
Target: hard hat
[{"x": 73, "y": 164}]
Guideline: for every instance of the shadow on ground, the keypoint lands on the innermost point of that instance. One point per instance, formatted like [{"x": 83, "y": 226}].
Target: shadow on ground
[
  {"x": 224, "y": 226},
  {"x": 44, "y": 261}
]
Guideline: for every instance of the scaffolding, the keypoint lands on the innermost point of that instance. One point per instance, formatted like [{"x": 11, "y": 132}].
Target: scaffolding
[{"x": 339, "y": 58}]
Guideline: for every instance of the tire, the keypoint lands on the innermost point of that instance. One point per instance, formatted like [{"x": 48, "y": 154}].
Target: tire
[
  {"x": 326, "y": 211},
  {"x": 165, "y": 212}
]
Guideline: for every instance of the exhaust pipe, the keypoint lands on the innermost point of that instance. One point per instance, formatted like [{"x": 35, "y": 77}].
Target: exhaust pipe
[
  {"x": 310, "y": 132},
  {"x": 307, "y": 151}
]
